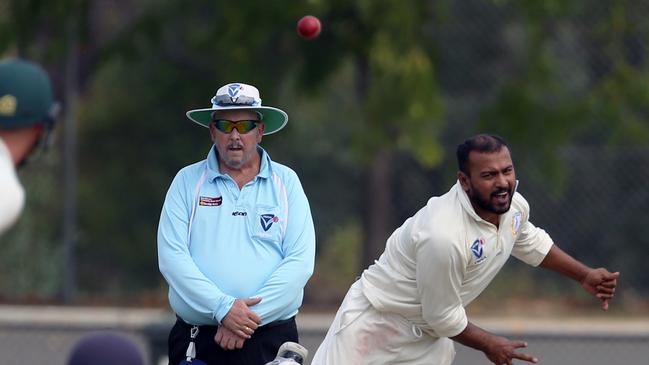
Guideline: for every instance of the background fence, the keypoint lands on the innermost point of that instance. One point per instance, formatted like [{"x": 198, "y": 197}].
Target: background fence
[{"x": 46, "y": 335}]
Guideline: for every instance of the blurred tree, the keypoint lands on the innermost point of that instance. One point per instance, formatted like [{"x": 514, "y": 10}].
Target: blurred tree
[
  {"x": 394, "y": 93},
  {"x": 395, "y": 90},
  {"x": 374, "y": 101}
]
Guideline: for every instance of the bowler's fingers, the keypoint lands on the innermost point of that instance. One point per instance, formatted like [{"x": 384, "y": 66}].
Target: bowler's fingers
[
  {"x": 519, "y": 344},
  {"x": 612, "y": 276},
  {"x": 605, "y": 289},
  {"x": 521, "y": 355},
  {"x": 605, "y": 304},
  {"x": 525, "y": 357}
]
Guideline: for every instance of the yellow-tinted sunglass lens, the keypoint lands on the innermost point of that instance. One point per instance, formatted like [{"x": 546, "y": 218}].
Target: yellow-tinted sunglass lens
[{"x": 242, "y": 126}]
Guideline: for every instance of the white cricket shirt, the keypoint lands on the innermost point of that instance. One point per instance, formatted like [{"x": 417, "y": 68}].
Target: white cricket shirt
[
  {"x": 12, "y": 194},
  {"x": 444, "y": 256}
]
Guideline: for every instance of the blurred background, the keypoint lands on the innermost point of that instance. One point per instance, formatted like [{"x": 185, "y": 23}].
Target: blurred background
[{"x": 377, "y": 105}]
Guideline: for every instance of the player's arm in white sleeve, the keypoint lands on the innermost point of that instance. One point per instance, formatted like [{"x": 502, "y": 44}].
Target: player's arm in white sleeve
[
  {"x": 175, "y": 261},
  {"x": 532, "y": 243},
  {"x": 439, "y": 272},
  {"x": 12, "y": 194},
  {"x": 284, "y": 288}
]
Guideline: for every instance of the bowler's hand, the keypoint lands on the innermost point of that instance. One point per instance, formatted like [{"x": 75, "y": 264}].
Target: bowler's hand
[
  {"x": 227, "y": 339},
  {"x": 502, "y": 351},
  {"x": 240, "y": 319},
  {"x": 601, "y": 283}
]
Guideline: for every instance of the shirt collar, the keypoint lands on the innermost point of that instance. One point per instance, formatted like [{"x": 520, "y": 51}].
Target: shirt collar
[
  {"x": 465, "y": 202},
  {"x": 213, "y": 171}
]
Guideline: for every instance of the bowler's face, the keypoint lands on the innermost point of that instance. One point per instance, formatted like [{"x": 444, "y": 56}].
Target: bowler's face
[
  {"x": 490, "y": 184},
  {"x": 236, "y": 150}
]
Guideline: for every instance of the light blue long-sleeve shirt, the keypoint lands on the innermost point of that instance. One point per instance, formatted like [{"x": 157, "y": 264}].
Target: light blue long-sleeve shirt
[{"x": 218, "y": 243}]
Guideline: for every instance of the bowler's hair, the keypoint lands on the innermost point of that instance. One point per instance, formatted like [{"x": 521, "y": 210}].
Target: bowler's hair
[{"x": 483, "y": 143}]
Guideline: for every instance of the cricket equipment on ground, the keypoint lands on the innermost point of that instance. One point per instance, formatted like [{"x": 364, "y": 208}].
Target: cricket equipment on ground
[{"x": 290, "y": 353}]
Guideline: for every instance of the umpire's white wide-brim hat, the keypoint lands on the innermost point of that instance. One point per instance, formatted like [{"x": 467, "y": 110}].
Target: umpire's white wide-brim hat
[{"x": 238, "y": 96}]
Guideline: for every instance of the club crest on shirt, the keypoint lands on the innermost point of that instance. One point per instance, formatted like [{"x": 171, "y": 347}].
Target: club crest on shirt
[
  {"x": 210, "y": 201},
  {"x": 516, "y": 222},
  {"x": 478, "y": 250},
  {"x": 267, "y": 221}
]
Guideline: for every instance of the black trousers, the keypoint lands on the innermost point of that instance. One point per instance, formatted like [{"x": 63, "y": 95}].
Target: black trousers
[{"x": 258, "y": 350}]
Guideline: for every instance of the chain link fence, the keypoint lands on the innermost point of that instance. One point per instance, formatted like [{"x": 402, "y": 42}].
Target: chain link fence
[{"x": 581, "y": 166}]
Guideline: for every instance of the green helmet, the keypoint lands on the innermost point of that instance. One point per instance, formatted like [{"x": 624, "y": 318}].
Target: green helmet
[{"x": 25, "y": 95}]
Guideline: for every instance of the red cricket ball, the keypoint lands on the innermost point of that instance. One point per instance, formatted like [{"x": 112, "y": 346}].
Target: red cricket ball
[{"x": 309, "y": 27}]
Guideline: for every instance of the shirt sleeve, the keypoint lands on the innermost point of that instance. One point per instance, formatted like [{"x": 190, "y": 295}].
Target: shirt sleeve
[
  {"x": 174, "y": 259},
  {"x": 285, "y": 286},
  {"x": 532, "y": 243},
  {"x": 440, "y": 270},
  {"x": 12, "y": 194}
]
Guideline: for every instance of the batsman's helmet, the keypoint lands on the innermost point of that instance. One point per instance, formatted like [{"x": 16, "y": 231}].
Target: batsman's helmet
[{"x": 25, "y": 95}]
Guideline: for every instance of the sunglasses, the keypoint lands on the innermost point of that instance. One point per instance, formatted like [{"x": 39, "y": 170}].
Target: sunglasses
[
  {"x": 226, "y": 100},
  {"x": 242, "y": 126}
]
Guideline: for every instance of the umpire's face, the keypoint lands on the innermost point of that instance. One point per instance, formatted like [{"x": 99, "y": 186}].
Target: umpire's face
[
  {"x": 490, "y": 183},
  {"x": 237, "y": 146}
]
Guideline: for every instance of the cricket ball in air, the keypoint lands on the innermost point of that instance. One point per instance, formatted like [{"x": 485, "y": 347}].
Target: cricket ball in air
[{"x": 309, "y": 27}]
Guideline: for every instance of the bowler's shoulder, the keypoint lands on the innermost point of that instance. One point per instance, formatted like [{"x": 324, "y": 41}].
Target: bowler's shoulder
[
  {"x": 441, "y": 218},
  {"x": 519, "y": 203},
  {"x": 444, "y": 207}
]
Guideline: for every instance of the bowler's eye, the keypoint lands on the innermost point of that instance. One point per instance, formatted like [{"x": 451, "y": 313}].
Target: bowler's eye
[{"x": 508, "y": 170}]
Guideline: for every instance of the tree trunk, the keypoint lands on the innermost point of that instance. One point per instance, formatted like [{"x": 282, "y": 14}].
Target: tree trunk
[{"x": 378, "y": 196}]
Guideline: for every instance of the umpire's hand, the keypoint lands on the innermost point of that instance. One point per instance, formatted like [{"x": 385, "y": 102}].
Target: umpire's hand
[{"x": 240, "y": 319}]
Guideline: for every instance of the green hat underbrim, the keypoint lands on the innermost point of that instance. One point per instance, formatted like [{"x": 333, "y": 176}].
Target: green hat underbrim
[{"x": 274, "y": 119}]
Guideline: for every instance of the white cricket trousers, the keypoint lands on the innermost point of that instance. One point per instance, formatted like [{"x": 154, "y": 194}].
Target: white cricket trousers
[{"x": 361, "y": 335}]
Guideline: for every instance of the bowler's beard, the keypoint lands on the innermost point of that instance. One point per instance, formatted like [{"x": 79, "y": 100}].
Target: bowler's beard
[{"x": 487, "y": 204}]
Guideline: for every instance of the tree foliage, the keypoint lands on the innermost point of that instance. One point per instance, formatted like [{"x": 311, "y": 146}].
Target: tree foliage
[{"x": 388, "y": 85}]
